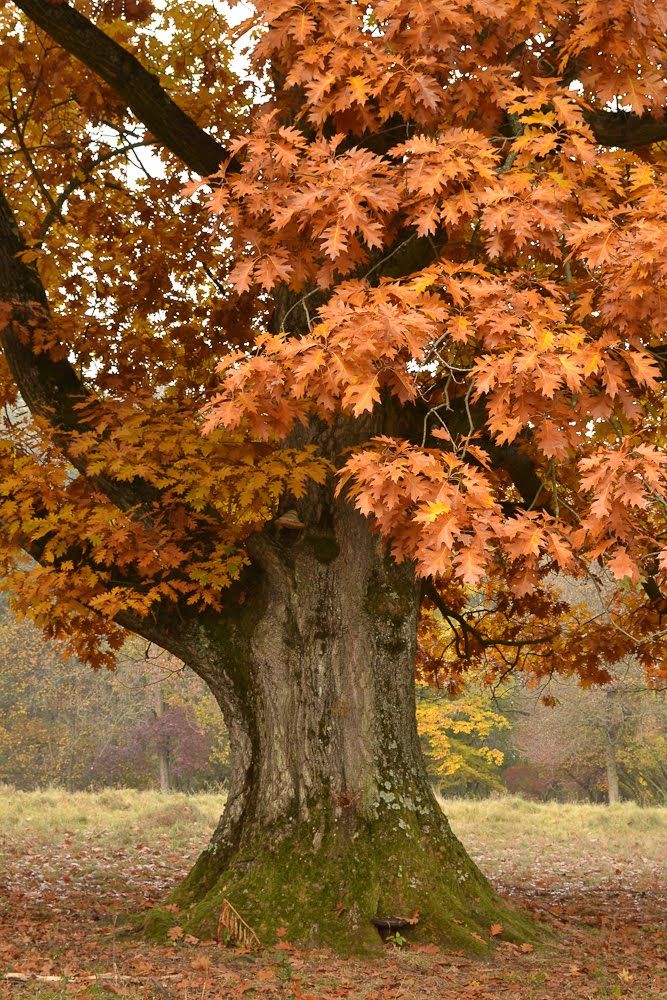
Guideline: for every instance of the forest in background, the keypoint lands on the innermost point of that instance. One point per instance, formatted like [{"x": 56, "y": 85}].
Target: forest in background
[
  {"x": 148, "y": 723},
  {"x": 152, "y": 723}
]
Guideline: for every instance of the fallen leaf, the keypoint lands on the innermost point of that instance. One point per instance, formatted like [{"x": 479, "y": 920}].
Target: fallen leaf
[{"x": 200, "y": 963}]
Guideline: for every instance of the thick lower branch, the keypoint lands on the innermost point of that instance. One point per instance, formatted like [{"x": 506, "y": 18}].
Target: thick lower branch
[
  {"x": 141, "y": 90},
  {"x": 626, "y": 129}
]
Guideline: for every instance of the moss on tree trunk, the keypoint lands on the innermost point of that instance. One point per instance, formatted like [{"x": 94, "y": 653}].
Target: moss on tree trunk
[{"x": 349, "y": 891}]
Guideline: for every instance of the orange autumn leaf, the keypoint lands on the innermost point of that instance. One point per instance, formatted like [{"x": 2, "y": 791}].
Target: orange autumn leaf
[{"x": 479, "y": 285}]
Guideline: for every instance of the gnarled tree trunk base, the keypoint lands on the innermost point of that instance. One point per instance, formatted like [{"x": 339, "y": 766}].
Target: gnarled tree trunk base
[{"x": 349, "y": 892}]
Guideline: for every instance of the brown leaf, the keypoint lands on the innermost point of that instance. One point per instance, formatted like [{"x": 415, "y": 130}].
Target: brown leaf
[{"x": 200, "y": 963}]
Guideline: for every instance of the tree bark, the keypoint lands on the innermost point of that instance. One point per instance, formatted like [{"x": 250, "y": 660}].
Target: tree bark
[
  {"x": 130, "y": 81},
  {"x": 612, "y": 723},
  {"x": 613, "y": 790},
  {"x": 163, "y": 749},
  {"x": 330, "y": 823}
]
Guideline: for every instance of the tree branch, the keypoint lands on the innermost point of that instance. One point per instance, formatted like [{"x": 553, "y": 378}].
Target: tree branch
[
  {"x": 50, "y": 388},
  {"x": 77, "y": 181},
  {"x": 431, "y": 591},
  {"x": 626, "y": 129},
  {"x": 200, "y": 151},
  {"x": 133, "y": 83},
  {"x": 19, "y": 129},
  {"x": 521, "y": 469}
]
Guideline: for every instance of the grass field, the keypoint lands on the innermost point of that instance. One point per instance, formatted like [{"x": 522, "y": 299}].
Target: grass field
[
  {"x": 116, "y": 816},
  {"x": 71, "y": 864}
]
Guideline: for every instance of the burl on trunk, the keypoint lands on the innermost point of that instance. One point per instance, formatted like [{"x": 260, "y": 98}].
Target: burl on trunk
[{"x": 331, "y": 829}]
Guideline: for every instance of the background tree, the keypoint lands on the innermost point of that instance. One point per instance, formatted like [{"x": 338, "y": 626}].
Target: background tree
[
  {"x": 581, "y": 744},
  {"x": 605, "y": 744},
  {"x": 459, "y": 737},
  {"x": 433, "y": 269},
  {"x": 62, "y": 725}
]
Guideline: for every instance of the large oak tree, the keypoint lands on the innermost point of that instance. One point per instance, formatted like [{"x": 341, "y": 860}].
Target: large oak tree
[{"x": 397, "y": 349}]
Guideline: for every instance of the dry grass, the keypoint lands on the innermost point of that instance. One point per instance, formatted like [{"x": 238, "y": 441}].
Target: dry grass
[
  {"x": 605, "y": 836},
  {"x": 117, "y": 816}
]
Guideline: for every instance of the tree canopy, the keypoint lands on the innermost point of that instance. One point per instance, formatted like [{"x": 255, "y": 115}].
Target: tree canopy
[{"x": 455, "y": 217}]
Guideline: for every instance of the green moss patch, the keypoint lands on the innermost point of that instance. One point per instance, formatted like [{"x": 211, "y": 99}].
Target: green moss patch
[{"x": 331, "y": 893}]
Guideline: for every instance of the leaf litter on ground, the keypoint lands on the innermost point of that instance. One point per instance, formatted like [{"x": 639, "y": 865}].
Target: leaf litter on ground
[{"x": 61, "y": 903}]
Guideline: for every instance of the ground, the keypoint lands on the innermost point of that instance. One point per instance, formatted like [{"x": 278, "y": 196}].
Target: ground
[{"x": 72, "y": 865}]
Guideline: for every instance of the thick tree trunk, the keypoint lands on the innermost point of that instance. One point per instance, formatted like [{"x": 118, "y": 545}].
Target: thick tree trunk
[{"x": 330, "y": 823}]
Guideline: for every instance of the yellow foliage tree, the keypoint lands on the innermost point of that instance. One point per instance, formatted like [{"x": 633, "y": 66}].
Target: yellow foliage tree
[{"x": 456, "y": 734}]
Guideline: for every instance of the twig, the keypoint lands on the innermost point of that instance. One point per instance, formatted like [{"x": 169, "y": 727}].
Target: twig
[{"x": 239, "y": 931}]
